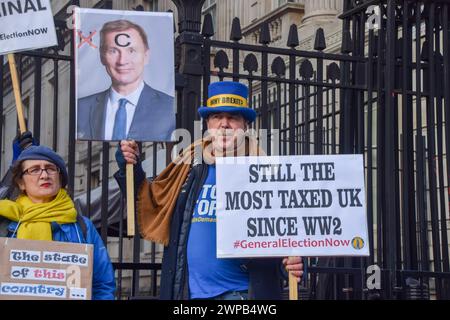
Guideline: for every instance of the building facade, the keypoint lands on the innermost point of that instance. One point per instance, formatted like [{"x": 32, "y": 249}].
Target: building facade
[{"x": 50, "y": 122}]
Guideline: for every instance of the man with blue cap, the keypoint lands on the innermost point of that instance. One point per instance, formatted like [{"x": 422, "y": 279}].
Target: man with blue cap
[
  {"x": 171, "y": 209},
  {"x": 44, "y": 211}
]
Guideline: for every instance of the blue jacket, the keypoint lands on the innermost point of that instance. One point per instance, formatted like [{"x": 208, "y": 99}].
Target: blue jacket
[{"x": 103, "y": 284}]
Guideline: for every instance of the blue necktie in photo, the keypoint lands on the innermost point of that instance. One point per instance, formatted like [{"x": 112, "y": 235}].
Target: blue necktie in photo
[{"x": 120, "y": 121}]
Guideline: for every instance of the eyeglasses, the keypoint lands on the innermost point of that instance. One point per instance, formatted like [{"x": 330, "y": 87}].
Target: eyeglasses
[{"x": 37, "y": 171}]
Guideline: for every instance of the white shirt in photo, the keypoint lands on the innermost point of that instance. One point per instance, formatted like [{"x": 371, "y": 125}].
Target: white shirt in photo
[{"x": 113, "y": 106}]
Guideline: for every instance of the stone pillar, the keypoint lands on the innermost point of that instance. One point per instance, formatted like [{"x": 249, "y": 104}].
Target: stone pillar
[
  {"x": 189, "y": 61},
  {"x": 319, "y": 14},
  {"x": 321, "y": 11}
]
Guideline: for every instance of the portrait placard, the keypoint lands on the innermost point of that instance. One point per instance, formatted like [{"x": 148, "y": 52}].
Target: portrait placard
[
  {"x": 125, "y": 80},
  {"x": 26, "y": 25}
]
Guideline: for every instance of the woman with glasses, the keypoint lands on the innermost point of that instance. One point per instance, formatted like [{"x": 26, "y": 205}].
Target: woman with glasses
[{"x": 45, "y": 211}]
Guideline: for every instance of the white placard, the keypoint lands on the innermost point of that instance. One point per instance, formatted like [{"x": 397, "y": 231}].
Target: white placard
[
  {"x": 37, "y": 274},
  {"x": 26, "y": 25},
  {"x": 78, "y": 293},
  {"x": 65, "y": 258},
  {"x": 291, "y": 206},
  {"x": 33, "y": 290},
  {"x": 25, "y": 256},
  {"x": 144, "y": 44},
  {"x": 34, "y": 269}
]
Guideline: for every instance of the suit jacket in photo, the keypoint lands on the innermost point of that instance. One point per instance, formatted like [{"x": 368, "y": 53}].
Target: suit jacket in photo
[{"x": 154, "y": 118}]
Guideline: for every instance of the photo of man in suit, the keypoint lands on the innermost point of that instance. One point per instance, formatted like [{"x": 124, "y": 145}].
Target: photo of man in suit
[{"x": 130, "y": 108}]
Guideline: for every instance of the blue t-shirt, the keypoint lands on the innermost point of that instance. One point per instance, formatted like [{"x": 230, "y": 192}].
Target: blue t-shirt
[{"x": 209, "y": 276}]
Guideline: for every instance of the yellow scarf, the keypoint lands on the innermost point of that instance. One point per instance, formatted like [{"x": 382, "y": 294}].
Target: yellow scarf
[{"x": 35, "y": 218}]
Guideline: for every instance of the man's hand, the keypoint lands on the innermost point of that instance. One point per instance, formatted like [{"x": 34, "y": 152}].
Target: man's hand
[
  {"x": 294, "y": 265},
  {"x": 130, "y": 151}
]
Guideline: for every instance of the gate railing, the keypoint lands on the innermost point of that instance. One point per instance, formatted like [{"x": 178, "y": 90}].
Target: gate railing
[
  {"x": 388, "y": 102},
  {"x": 385, "y": 95}
]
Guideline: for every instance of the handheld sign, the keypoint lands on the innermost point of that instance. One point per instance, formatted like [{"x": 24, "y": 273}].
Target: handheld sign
[
  {"x": 31, "y": 269},
  {"x": 291, "y": 206},
  {"x": 116, "y": 103},
  {"x": 26, "y": 25}
]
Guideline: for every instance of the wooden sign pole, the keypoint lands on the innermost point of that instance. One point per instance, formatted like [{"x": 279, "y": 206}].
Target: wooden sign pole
[
  {"x": 23, "y": 128},
  {"x": 293, "y": 287},
  {"x": 17, "y": 95},
  {"x": 130, "y": 200}
]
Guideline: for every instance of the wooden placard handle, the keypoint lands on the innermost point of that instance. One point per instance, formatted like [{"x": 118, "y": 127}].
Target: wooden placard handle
[
  {"x": 17, "y": 95},
  {"x": 130, "y": 200},
  {"x": 293, "y": 287}
]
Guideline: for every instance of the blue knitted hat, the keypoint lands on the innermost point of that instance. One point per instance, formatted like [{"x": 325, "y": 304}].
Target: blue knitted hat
[
  {"x": 45, "y": 153},
  {"x": 227, "y": 96}
]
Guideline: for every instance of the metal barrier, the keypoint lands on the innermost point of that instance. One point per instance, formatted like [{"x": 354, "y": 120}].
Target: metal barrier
[{"x": 385, "y": 94}]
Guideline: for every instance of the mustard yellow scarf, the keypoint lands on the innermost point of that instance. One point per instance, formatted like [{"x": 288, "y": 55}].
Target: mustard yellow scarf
[{"x": 35, "y": 218}]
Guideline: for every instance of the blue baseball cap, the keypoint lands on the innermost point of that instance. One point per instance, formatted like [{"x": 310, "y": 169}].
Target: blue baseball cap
[{"x": 227, "y": 96}]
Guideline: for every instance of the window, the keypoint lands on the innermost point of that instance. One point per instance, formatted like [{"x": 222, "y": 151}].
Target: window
[
  {"x": 153, "y": 5},
  {"x": 209, "y": 7},
  {"x": 208, "y": 3},
  {"x": 281, "y": 2},
  {"x": 145, "y": 5},
  {"x": 3, "y": 145},
  {"x": 26, "y": 111},
  {"x": 95, "y": 179},
  {"x": 254, "y": 11}
]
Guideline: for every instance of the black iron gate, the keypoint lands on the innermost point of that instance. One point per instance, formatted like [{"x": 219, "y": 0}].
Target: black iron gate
[{"x": 386, "y": 94}]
